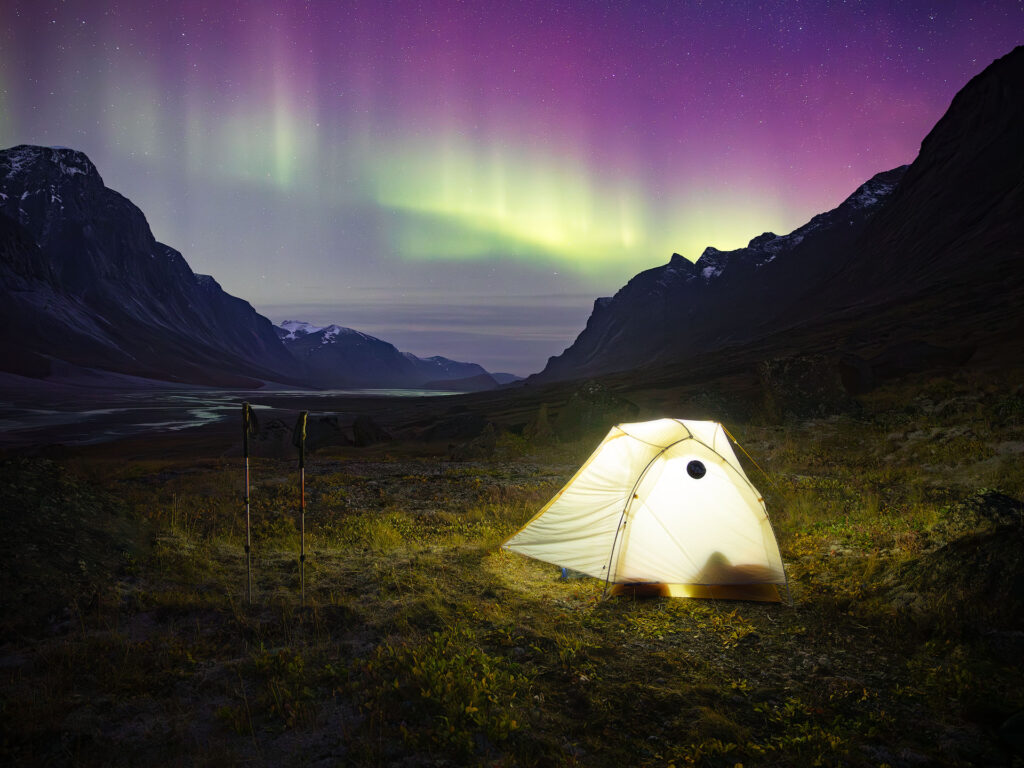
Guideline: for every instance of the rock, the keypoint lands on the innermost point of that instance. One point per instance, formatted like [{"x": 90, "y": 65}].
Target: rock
[
  {"x": 1011, "y": 732},
  {"x": 973, "y": 584},
  {"x": 981, "y": 511}
]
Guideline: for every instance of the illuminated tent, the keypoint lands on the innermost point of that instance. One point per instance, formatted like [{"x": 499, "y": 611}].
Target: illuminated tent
[{"x": 662, "y": 507}]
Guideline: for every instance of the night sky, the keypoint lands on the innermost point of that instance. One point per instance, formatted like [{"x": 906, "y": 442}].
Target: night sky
[{"x": 465, "y": 178}]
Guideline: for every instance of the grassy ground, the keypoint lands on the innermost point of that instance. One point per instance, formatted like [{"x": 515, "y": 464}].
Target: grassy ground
[{"x": 127, "y": 638}]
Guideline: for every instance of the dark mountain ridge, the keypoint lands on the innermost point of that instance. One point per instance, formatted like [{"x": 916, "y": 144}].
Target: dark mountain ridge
[
  {"x": 725, "y": 297},
  {"x": 86, "y": 283},
  {"x": 959, "y": 211},
  {"x": 924, "y": 254}
]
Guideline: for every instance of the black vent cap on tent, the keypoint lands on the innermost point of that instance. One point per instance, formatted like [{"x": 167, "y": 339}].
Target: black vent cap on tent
[{"x": 696, "y": 469}]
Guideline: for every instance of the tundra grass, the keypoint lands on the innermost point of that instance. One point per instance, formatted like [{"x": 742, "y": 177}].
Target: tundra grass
[{"x": 423, "y": 643}]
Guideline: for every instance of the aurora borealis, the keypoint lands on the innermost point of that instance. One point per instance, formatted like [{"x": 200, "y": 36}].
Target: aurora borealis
[{"x": 465, "y": 178}]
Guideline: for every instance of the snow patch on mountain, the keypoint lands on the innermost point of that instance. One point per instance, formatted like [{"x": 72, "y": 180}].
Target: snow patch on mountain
[
  {"x": 69, "y": 161},
  {"x": 296, "y": 329},
  {"x": 871, "y": 192},
  {"x": 18, "y": 159},
  {"x": 292, "y": 330}
]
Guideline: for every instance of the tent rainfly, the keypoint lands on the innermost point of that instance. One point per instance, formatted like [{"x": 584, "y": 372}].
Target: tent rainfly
[{"x": 661, "y": 507}]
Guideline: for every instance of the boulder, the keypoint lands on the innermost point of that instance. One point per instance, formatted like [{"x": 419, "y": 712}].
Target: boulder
[{"x": 973, "y": 583}]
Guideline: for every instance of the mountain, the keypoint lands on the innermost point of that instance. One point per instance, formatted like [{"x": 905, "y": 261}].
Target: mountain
[
  {"x": 85, "y": 285},
  {"x": 335, "y": 356},
  {"x": 441, "y": 369},
  {"x": 725, "y": 297},
  {"x": 923, "y": 254},
  {"x": 956, "y": 222}
]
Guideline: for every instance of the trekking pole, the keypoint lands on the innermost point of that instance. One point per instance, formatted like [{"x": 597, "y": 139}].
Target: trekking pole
[
  {"x": 299, "y": 438},
  {"x": 248, "y": 425}
]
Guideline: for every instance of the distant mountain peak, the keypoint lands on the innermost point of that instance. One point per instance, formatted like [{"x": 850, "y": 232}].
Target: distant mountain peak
[
  {"x": 338, "y": 356},
  {"x": 296, "y": 329}
]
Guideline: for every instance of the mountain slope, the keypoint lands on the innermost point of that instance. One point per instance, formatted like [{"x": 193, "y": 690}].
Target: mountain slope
[
  {"x": 728, "y": 296},
  {"x": 959, "y": 212},
  {"x": 441, "y": 369},
  {"x": 929, "y": 253},
  {"x": 335, "y": 356},
  {"x": 84, "y": 282}
]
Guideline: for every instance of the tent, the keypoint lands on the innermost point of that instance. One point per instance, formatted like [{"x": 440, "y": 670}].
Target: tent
[{"x": 661, "y": 506}]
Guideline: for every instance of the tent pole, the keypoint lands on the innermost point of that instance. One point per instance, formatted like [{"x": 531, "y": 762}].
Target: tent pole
[{"x": 625, "y": 510}]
